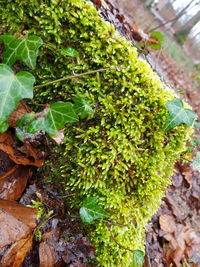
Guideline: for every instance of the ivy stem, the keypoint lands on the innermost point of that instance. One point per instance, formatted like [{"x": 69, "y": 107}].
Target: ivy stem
[
  {"x": 113, "y": 223},
  {"x": 39, "y": 105},
  {"x": 74, "y": 75},
  {"x": 112, "y": 235}
]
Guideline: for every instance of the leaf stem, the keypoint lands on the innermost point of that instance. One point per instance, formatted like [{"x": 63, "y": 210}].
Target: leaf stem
[
  {"x": 39, "y": 105},
  {"x": 74, "y": 75}
]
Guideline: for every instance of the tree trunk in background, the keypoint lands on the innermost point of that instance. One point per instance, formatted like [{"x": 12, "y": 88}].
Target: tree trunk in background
[
  {"x": 182, "y": 12},
  {"x": 185, "y": 29}
]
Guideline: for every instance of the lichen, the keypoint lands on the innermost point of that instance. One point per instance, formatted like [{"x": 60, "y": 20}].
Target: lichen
[{"x": 121, "y": 154}]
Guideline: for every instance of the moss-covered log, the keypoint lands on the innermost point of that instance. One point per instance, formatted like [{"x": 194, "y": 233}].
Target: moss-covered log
[{"x": 121, "y": 154}]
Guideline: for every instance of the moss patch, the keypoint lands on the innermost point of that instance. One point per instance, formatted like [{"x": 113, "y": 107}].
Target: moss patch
[{"x": 121, "y": 154}]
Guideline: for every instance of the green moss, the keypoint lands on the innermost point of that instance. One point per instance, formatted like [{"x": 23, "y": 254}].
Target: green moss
[{"x": 121, "y": 154}]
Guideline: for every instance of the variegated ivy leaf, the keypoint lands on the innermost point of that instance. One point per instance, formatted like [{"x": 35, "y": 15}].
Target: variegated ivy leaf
[
  {"x": 13, "y": 88},
  {"x": 50, "y": 120},
  {"x": 178, "y": 114},
  {"x": 81, "y": 107},
  {"x": 91, "y": 211},
  {"x": 25, "y": 49},
  {"x": 196, "y": 161}
]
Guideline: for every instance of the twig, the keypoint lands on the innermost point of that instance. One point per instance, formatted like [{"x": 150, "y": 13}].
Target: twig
[
  {"x": 117, "y": 241},
  {"x": 76, "y": 76},
  {"x": 116, "y": 224}
]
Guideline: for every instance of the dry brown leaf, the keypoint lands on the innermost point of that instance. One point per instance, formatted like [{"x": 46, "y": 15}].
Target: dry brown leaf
[
  {"x": 98, "y": 3},
  {"x": 13, "y": 182},
  {"x": 186, "y": 172},
  {"x": 47, "y": 252},
  {"x": 58, "y": 138},
  {"x": 25, "y": 155},
  {"x": 184, "y": 243},
  {"x": 167, "y": 223},
  {"x": 17, "y": 224}
]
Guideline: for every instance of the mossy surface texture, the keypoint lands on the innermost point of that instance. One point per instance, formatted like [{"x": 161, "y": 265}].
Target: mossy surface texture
[{"x": 121, "y": 155}]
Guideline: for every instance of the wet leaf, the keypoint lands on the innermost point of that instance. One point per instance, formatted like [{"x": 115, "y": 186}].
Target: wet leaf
[
  {"x": 91, "y": 211},
  {"x": 69, "y": 52},
  {"x": 25, "y": 49},
  {"x": 81, "y": 107},
  {"x": 138, "y": 258},
  {"x": 25, "y": 155},
  {"x": 17, "y": 252},
  {"x": 13, "y": 182},
  {"x": 196, "y": 161},
  {"x": 10, "y": 83},
  {"x": 17, "y": 224},
  {"x": 178, "y": 114}
]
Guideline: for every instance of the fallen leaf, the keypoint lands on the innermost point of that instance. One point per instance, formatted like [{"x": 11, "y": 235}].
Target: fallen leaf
[
  {"x": 15, "y": 255},
  {"x": 47, "y": 252},
  {"x": 186, "y": 172},
  {"x": 17, "y": 224},
  {"x": 167, "y": 223},
  {"x": 13, "y": 182},
  {"x": 58, "y": 138},
  {"x": 25, "y": 155},
  {"x": 97, "y": 3}
]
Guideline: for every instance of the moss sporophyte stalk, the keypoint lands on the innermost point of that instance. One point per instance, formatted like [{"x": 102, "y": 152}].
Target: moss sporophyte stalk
[{"x": 121, "y": 154}]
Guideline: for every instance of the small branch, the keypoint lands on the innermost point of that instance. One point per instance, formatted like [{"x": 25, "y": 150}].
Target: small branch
[
  {"x": 76, "y": 76},
  {"x": 112, "y": 235}
]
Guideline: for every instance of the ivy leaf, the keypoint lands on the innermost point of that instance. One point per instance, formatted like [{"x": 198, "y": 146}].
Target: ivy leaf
[
  {"x": 13, "y": 88},
  {"x": 178, "y": 114},
  {"x": 57, "y": 115},
  {"x": 81, "y": 107},
  {"x": 22, "y": 125},
  {"x": 52, "y": 119},
  {"x": 196, "y": 161},
  {"x": 138, "y": 258},
  {"x": 69, "y": 52},
  {"x": 21, "y": 48},
  {"x": 90, "y": 210},
  {"x": 155, "y": 40}
]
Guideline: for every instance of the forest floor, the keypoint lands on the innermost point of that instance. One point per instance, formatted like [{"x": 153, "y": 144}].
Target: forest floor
[{"x": 172, "y": 235}]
